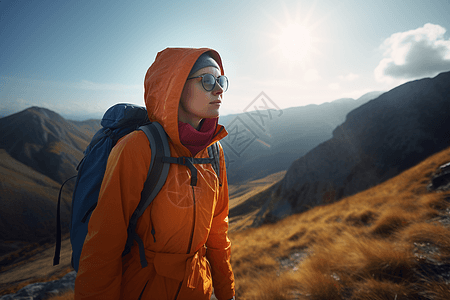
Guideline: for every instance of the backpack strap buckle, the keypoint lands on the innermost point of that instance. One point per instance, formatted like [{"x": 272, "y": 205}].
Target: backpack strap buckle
[{"x": 189, "y": 162}]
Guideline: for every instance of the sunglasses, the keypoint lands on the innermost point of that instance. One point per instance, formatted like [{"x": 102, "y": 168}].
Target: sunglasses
[{"x": 209, "y": 81}]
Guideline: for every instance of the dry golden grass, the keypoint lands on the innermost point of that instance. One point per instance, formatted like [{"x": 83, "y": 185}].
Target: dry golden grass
[
  {"x": 384, "y": 243},
  {"x": 69, "y": 295},
  {"x": 243, "y": 208}
]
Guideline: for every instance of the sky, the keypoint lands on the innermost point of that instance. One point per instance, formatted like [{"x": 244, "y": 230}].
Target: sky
[{"x": 78, "y": 58}]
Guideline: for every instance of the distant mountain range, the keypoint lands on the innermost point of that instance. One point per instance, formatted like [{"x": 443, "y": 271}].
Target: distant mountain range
[
  {"x": 266, "y": 141},
  {"x": 39, "y": 150},
  {"x": 378, "y": 140}
]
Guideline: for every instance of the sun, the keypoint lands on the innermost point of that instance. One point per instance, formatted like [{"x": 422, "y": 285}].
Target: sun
[
  {"x": 295, "y": 42},
  {"x": 295, "y": 39},
  {"x": 296, "y": 36}
]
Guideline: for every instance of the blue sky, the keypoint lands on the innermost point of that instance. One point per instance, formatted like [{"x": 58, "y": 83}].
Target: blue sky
[{"x": 80, "y": 57}]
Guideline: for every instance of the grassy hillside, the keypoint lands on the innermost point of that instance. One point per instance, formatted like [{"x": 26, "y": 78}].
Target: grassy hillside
[
  {"x": 33, "y": 263},
  {"x": 389, "y": 242},
  {"x": 39, "y": 150},
  {"x": 243, "y": 206},
  {"x": 27, "y": 205}
]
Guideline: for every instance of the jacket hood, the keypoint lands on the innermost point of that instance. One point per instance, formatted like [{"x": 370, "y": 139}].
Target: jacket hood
[{"x": 164, "y": 83}]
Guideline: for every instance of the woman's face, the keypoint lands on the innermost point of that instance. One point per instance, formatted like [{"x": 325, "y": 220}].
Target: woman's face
[{"x": 196, "y": 103}]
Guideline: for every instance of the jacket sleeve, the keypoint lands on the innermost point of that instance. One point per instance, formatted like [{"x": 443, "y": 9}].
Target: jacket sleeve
[
  {"x": 218, "y": 245},
  {"x": 100, "y": 271}
]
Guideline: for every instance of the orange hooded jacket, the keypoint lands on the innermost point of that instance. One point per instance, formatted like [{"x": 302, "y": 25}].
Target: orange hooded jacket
[{"x": 191, "y": 250}]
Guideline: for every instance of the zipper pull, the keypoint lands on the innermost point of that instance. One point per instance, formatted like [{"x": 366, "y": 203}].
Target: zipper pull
[{"x": 153, "y": 233}]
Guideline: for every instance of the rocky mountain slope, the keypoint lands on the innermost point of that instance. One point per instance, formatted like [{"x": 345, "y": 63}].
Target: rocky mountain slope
[
  {"x": 377, "y": 141},
  {"x": 267, "y": 140},
  {"x": 39, "y": 150}
]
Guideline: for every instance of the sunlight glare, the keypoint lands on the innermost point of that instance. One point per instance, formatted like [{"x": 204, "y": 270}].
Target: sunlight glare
[{"x": 295, "y": 42}]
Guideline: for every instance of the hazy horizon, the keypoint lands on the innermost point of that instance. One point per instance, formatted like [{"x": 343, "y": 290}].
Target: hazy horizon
[{"x": 80, "y": 116}]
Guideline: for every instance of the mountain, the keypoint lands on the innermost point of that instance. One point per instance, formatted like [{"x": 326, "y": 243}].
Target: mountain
[
  {"x": 266, "y": 141},
  {"x": 377, "y": 141},
  {"x": 45, "y": 141},
  {"x": 27, "y": 204},
  {"x": 39, "y": 150}
]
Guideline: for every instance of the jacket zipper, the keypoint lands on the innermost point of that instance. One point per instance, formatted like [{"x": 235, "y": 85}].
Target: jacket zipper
[
  {"x": 193, "y": 223},
  {"x": 143, "y": 290},
  {"x": 191, "y": 239}
]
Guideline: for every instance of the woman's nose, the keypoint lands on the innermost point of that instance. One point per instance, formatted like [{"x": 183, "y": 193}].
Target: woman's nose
[{"x": 217, "y": 89}]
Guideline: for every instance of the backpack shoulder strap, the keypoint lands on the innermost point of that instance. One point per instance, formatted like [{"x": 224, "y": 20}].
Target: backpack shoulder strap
[
  {"x": 213, "y": 159},
  {"x": 156, "y": 178},
  {"x": 214, "y": 152},
  {"x": 157, "y": 174},
  {"x": 58, "y": 236}
]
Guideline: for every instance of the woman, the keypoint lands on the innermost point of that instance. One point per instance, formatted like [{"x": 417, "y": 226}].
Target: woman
[{"x": 190, "y": 250}]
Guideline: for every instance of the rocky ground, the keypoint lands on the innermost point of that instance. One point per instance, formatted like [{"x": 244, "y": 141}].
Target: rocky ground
[{"x": 37, "y": 268}]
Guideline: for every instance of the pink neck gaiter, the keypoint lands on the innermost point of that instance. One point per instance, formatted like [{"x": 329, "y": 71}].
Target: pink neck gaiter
[{"x": 197, "y": 140}]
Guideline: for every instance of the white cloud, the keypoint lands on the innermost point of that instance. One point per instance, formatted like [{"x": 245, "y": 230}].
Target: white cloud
[
  {"x": 349, "y": 77},
  {"x": 415, "y": 53}
]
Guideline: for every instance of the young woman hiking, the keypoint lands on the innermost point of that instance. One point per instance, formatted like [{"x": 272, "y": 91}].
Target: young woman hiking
[{"x": 184, "y": 230}]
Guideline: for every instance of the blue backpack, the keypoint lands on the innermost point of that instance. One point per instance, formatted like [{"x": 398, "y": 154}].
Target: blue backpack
[{"x": 118, "y": 121}]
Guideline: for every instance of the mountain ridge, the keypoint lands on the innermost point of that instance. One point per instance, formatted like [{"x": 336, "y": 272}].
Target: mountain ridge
[
  {"x": 284, "y": 135},
  {"x": 45, "y": 141},
  {"x": 377, "y": 141}
]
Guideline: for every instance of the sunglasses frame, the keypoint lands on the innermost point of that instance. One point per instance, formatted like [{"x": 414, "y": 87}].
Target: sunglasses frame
[{"x": 216, "y": 81}]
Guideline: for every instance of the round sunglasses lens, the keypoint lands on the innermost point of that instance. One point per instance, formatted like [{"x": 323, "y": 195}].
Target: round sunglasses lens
[
  {"x": 208, "y": 81},
  {"x": 223, "y": 82}
]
